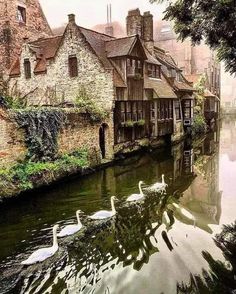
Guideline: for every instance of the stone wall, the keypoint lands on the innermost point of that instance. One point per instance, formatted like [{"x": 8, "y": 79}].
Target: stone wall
[
  {"x": 12, "y": 31},
  {"x": 12, "y": 147},
  {"x": 79, "y": 132}
]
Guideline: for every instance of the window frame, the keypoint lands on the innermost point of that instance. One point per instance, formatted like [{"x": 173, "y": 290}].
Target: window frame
[
  {"x": 21, "y": 14},
  {"x": 73, "y": 66},
  {"x": 27, "y": 68}
]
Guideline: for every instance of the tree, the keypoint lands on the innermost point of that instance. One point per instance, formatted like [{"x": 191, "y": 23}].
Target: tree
[{"x": 211, "y": 21}]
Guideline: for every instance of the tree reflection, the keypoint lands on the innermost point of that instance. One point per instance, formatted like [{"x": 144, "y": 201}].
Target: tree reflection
[{"x": 221, "y": 276}]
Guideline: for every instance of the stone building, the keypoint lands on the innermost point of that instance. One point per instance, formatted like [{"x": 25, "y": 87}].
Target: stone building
[
  {"x": 194, "y": 61},
  {"x": 19, "y": 19},
  {"x": 126, "y": 77}
]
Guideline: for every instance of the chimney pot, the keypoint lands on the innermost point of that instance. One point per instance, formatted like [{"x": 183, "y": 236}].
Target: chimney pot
[{"x": 71, "y": 18}]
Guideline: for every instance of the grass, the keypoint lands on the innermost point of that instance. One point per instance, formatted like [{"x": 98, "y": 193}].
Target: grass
[{"x": 24, "y": 176}]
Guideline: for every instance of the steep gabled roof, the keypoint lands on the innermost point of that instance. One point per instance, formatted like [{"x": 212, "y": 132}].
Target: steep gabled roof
[
  {"x": 165, "y": 58},
  {"x": 123, "y": 46}
]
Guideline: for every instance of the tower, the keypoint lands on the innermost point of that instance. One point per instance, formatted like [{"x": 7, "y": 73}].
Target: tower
[{"x": 19, "y": 19}]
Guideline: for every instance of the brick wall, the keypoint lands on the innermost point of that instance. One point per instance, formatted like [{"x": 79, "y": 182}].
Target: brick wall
[
  {"x": 12, "y": 32},
  {"x": 12, "y": 146},
  {"x": 78, "y": 133}
]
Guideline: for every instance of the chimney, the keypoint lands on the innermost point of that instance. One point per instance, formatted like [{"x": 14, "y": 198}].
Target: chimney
[
  {"x": 147, "y": 26},
  {"x": 148, "y": 31},
  {"x": 71, "y": 18},
  {"x": 134, "y": 23}
]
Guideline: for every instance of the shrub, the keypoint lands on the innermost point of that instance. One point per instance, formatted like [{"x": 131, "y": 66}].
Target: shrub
[{"x": 199, "y": 125}]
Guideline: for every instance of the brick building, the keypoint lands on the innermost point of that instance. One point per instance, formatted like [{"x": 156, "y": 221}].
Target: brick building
[{"x": 19, "y": 19}]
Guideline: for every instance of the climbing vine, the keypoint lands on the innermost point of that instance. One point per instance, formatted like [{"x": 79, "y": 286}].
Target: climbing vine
[{"x": 41, "y": 128}]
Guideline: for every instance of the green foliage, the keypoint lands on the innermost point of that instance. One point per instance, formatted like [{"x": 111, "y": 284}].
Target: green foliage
[
  {"x": 26, "y": 174},
  {"x": 211, "y": 21},
  {"x": 87, "y": 105},
  {"x": 129, "y": 123},
  {"x": 200, "y": 87},
  {"x": 41, "y": 128},
  {"x": 15, "y": 102},
  {"x": 199, "y": 125},
  {"x": 140, "y": 122}
]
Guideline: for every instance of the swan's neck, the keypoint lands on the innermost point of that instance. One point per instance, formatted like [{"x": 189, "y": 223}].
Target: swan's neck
[
  {"x": 140, "y": 189},
  {"x": 55, "y": 243},
  {"x": 78, "y": 219},
  {"x": 113, "y": 206}
]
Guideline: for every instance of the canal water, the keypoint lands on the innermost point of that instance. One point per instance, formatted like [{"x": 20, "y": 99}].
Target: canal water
[{"x": 180, "y": 242}]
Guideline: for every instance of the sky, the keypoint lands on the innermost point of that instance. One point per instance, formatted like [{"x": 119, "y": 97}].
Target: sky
[{"x": 91, "y": 12}]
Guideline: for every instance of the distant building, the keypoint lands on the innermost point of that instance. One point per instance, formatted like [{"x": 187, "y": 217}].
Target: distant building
[
  {"x": 194, "y": 61},
  {"x": 19, "y": 19}
]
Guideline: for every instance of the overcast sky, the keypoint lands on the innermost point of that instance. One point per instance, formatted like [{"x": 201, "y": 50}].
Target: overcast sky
[{"x": 91, "y": 12}]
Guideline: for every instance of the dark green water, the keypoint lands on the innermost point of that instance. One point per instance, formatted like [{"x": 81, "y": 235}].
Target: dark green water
[{"x": 141, "y": 250}]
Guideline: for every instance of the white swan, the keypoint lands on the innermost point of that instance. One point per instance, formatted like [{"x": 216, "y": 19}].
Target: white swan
[
  {"x": 43, "y": 253},
  {"x": 103, "y": 214},
  {"x": 71, "y": 229},
  {"x": 135, "y": 197},
  {"x": 158, "y": 186}
]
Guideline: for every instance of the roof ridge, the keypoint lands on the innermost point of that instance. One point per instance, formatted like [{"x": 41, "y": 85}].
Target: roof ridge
[
  {"x": 96, "y": 32},
  {"x": 127, "y": 37}
]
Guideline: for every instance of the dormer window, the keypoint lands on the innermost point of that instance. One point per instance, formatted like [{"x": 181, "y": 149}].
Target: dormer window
[
  {"x": 154, "y": 71},
  {"x": 27, "y": 69},
  {"x": 21, "y": 14},
  {"x": 73, "y": 66},
  {"x": 134, "y": 67}
]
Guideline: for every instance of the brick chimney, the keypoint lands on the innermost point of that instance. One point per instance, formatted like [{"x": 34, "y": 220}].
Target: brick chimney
[
  {"x": 134, "y": 23},
  {"x": 148, "y": 31}
]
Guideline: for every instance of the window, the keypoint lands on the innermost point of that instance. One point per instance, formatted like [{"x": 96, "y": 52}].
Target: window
[
  {"x": 21, "y": 14},
  {"x": 27, "y": 69},
  {"x": 177, "y": 110},
  {"x": 134, "y": 66},
  {"x": 73, "y": 66},
  {"x": 154, "y": 71}
]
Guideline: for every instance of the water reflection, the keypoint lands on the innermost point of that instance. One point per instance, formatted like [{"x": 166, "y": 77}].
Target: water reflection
[{"x": 150, "y": 246}]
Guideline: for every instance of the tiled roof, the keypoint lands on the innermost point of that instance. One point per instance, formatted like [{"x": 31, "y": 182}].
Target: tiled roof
[
  {"x": 15, "y": 70},
  {"x": 160, "y": 86},
  {"x": 46, "y": 47},
  {"x": 182, "y": 86},
  {"x": 97, "y": 42},
  {"x": 150, "y": 58},
  {"x": 120, "y": 47},
  {"x": 165, "y": 58}
]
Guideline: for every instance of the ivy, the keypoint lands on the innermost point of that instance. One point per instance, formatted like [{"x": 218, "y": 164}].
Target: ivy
[{"x": 41, "y": 128}]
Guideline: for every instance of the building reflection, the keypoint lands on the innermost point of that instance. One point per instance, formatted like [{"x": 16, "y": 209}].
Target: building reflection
[{"x": 228, "y": 137}]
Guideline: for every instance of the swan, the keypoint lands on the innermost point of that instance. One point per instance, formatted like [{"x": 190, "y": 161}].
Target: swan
[
  {"x": 135, "y": 197},
  {"x": 103, "y": 214},
  {"x": 43, "y": 253},
  {"x": 158, "y": 186},
  {"x": 71, "y": 229}
]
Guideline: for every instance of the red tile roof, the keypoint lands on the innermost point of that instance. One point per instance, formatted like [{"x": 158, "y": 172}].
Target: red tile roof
[
  {"x": 15, "y": 70},
  {"x": 160, "y": 87}
]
